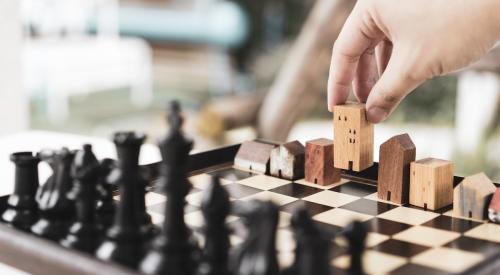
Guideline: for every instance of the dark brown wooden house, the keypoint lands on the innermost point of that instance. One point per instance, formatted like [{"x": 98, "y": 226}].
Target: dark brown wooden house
[{"x": 396, "y": 154}]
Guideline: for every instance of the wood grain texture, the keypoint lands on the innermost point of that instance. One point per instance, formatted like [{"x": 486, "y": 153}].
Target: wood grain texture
[
  {"x": 472, "y": 195},
  {"x": 353, "y": 137},
  {"x": 431, "y": 183},
  {"x": 319, "y": 162},
  {"x": 254, "y": 156},
  {"x": 396, "y": 154},
  {"x": 287, "y": 161}
]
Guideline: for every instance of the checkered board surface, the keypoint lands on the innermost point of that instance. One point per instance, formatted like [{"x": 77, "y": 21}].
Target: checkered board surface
[{"x": 401, "y": 240}]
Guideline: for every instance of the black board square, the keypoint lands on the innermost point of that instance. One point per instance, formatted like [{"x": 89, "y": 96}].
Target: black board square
[
  {"x": 239, "y": 191},
  {"x": 415, "y": 269},
  {"x": 386, "y": 227},
  {"x": 474, "y": 245},
  {"x": 232, "y": 174},
  {"x": 369, "y": 207},
  {"x": 400, "y": 248},
  {"x": 451, "y": 224},
  {"x": 312, "y": 208},
  {"x": 355, "y": 189},
  {"x": 296, "y": 190},
  {"x": 330, "y": 229},
  {"x": 438, "y": 211}
]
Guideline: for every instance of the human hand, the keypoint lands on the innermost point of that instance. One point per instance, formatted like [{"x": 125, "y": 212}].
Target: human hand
[{"x": 406, "y": 43}]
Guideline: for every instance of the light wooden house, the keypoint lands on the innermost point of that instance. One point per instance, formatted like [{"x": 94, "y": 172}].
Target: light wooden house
[
  {"x": 431, "y": 183},
  {"x": 472, "y": 195},
  {"x": 353, "y": 137}
]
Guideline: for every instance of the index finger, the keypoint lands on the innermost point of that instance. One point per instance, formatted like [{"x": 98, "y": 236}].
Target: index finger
[{"x": 351, "y": 43}]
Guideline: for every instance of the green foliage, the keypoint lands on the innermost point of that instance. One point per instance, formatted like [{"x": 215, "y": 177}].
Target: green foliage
[{"x": 433, "y": 103}]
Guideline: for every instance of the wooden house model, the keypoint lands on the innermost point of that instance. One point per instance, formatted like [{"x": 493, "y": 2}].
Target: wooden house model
[
  {"x": 472, "y": 195},
  {"x": 353, "y": 137},
  {"x": 254, "y": 156},
  {"x": 431, "y": 183},
  {"x": 287, "y": 161},
  {"x": 395, "y": 157}
]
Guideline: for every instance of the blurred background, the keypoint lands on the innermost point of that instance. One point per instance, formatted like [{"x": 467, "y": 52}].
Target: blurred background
[{"x": 241, "y": 69}]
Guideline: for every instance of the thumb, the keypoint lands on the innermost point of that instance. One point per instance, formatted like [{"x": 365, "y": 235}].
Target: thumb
[{"x": 394, "y": 85}]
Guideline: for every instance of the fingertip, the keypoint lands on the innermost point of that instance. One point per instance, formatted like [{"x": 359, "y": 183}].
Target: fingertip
[
  {"x": 337, "y": 94},
  {"x": 376, "y": 114}
]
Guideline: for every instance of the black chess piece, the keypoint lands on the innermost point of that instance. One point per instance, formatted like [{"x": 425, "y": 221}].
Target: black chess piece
[
  {"x": 257, "y": 254},
  {"x": 215, "y": 207},
  {"x": 148, "y": 229},
  {"x": 106, "y": 205},
  {"x": 312, "y": 254},
  {"x": 84, "y": 232},
  {"x": 356, "y": 233},
  {"x": 124, "y": 242},
  {"x": 22, "y": 209},
  {"x": 56, "y": 209},
  {"x": 174, "y": 251}
]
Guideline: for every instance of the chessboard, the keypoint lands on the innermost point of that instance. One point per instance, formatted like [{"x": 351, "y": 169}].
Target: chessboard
[{"x": 400, "y": 240}]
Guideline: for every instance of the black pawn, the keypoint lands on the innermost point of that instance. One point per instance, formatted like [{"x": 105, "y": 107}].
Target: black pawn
[
  {"x": 257, "y": 254},
  {"x": 106, "y": 205},
  {"x": 215, "y": 207},
  {"x": 174, "y": 251},
  {"x": 22, "y": 209},
  {"x": 312, "y": 255},
  {"x": 124, "y": 242},
  {"x": 56, "y": 208},
  {"x": 355, "y": 233},
  {"x": 83, "y": 233}
]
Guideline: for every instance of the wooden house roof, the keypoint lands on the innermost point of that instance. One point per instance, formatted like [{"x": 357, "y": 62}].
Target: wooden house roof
[
  {"x": 255, "y": 151},
  {"x": 404, "y": 141},
  {"x": 479, "y": 183},
  {"x": 294, "y": 147}
]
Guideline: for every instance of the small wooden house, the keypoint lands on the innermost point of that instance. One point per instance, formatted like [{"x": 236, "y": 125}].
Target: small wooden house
[
  {"x": 353, "y": 137},
  {"x": 395, "y": 157},
  {"x": 319, "y": 162},
  {"x": 254, "y": 156},
  {"x": 472, "y": 195},
  {"x": 287, "y": 161},
  {"x": 431, "y": 183}
]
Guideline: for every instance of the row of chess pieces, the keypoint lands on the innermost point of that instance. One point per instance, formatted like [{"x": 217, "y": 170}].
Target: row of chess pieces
[{"x": 75, "y": 208}]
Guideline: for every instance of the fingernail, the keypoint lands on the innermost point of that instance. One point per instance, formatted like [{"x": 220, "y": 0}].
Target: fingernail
[{"x": 376, "y": 114}]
